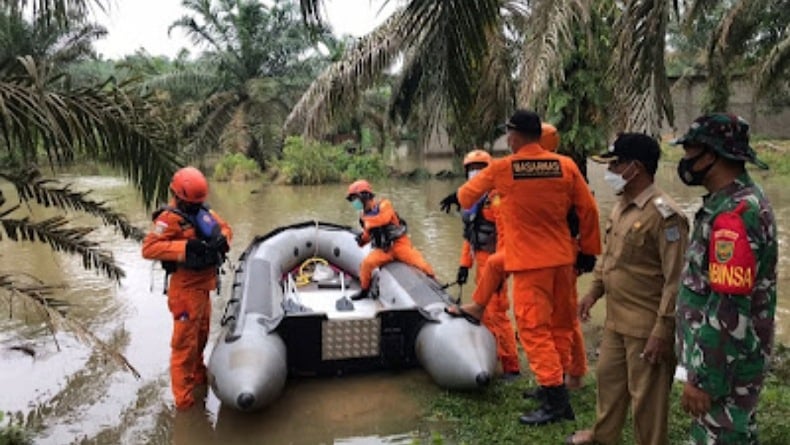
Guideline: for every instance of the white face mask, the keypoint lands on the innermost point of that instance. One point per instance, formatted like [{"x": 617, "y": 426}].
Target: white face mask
[
  {"x": 616, "y": 181},
  {"x": 472, "y": 174}
]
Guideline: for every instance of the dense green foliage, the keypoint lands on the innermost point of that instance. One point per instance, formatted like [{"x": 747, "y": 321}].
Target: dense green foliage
[
  {"x": 313, "y": 162},
  {"x": 236, "y": 167},
  {"x": 13, "y": 434}
]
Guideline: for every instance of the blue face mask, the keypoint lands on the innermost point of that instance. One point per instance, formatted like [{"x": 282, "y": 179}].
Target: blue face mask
[{"x": 357, "y": 204}]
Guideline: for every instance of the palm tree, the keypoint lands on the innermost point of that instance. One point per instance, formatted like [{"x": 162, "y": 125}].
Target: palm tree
[
  {"x": 751, "y": 37},
  {"x": 451, "y": 49},
  {"x": 258, "y": 59},
  {"x": 46, "y": 120},
  {"x": 444, "y": 48}
]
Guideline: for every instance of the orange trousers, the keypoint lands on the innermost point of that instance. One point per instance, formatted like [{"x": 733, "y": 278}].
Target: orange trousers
[
  {"x": 191, "y": 309},
  {"x": 544, "y": 303},
  {"x": 401, "y": 250},
  {"x": 496, "y": 319}
]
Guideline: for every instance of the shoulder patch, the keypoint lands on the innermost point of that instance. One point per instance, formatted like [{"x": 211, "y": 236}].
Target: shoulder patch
[
  {"x": 536, "y": 168},
  {"x": 672, "y": 233},
  {"x": 663, "y": 207},
  {"x": 160, "y": 227},
  {"x": 732, "y": 265}
]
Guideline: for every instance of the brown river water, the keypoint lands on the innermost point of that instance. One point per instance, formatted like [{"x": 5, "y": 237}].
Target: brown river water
[{"x": 74, "y": 395}]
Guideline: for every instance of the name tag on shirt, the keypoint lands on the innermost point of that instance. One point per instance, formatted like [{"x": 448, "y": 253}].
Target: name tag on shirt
[{"x": 536, "y": 168}]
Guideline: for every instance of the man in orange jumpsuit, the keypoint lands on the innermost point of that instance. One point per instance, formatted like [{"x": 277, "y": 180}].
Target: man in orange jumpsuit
[
  {"x": 537, "y": 189},
  {"x": 577, "y": 368},
  {"x": 382, "y": 226},
  {"x": 191, "y": 241},
  {"x": 482, "y": 237}
]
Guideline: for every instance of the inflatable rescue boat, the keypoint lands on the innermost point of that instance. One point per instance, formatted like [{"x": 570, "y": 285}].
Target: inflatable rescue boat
[{"x": 290, "y": 312}]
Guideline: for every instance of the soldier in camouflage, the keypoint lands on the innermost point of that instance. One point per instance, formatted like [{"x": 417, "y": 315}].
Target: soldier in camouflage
[{"x": 727, "y": 297}]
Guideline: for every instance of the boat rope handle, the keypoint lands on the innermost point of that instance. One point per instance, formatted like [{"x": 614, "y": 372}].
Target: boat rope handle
[{"x": 304, "y": 274}]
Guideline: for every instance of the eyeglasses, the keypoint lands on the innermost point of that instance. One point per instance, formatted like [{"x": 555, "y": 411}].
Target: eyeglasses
[{"x": 350, "y": 198}]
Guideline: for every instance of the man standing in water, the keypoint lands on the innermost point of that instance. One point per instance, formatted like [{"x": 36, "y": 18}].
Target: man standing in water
[
  {"x": 537, "y": 190},
  {"x": 191, "y": 241},
  {"x": 727, "y": 298}
]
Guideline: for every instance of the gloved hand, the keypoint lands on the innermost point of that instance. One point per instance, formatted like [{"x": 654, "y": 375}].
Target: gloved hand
[
  {"x": 463, "y": 275},
  {"x": 220, "y": 244},
  {"x": 359, "y": 239},
  {"x": 197, "y": 252},
  {"x": 584, "y": 263},
  {"x": 448, "y": 202}
]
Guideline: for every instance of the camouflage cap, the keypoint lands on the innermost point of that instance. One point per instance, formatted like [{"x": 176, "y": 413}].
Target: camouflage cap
[{"x": 726, "y": 134}]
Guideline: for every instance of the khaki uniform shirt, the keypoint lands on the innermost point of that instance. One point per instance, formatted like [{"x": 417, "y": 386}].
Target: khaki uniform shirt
[{"x": 639, "y": 269}]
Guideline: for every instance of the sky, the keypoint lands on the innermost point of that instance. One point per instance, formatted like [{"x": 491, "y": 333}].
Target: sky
[{"x": 134, "y": 24}]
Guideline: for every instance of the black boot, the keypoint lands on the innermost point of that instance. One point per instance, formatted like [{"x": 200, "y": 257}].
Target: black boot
[
  {"x": 538, "y": 394},
  {"x": 363, "y": 293},
  {"x": 555, "y": 408}
]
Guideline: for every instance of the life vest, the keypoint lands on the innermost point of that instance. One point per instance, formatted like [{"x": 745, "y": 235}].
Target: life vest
[
  {"x": 205, "y": 225},
  {"x": 480, "y": 232},
  {"x": 383, "y": 237}
]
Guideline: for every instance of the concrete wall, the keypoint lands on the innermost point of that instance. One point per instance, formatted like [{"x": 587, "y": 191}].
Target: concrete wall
[
  {"x": 686, "y": 98},
  {"x": 765, "y": 121}
]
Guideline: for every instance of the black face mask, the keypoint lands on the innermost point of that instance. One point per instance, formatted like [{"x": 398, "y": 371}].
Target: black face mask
[{"x": 690, "y": 177}]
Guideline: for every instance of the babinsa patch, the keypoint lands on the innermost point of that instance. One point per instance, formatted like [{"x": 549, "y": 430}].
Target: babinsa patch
[
  {"x": 732, "y": 267},
  {"x": 536, "y": 168}
]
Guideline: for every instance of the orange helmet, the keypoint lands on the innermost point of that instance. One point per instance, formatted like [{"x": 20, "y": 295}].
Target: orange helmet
[
  {"x": 477, "y": 157},
  {"x": 549, "y": 137},
  {"x": 358, "y": 187},
  {"x": 189, "y": 185}
]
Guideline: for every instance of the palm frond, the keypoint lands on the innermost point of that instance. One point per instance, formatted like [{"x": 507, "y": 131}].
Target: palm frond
[
  {"x": 30, "y": 186},
  {"x": 312, "y": 11},
  {"x": 339, "y": 85},
  {"x": 193, "y": 82},
  {"x": 62, "y": 12},
  {"x": 550, "y": 40},
  {"x": 638, "y": 66},
  {"x": 75, "y": 43},
  {"x": 452, "y": 37},
  {"x": 55, "y": 232},
  {"x": 775, "y": 67},
  {"x": 495, "y": 93},
  {"x": 103, "y": 122},
  {"x": 53, "y": 309},
  {"x": 214, "y": 116}
]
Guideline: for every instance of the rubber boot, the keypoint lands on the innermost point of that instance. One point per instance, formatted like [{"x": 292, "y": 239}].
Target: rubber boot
[
  {"x": 538, "y": 394},
  {"x": 555, "y": 408},
  {"x": 362, "y": 294}
]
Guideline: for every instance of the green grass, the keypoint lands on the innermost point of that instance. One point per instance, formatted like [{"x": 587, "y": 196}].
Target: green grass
[{"x": 491, "y": 417}]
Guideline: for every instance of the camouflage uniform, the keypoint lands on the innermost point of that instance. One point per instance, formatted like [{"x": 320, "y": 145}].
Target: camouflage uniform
[{"x": 725, "y": 338}]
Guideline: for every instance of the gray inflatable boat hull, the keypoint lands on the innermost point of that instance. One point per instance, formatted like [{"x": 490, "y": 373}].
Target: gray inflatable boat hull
[{"x": 279, "y": 324}]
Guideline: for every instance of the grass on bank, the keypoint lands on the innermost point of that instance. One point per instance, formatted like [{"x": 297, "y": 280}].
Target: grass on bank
[{"x": 491, "y": 417}]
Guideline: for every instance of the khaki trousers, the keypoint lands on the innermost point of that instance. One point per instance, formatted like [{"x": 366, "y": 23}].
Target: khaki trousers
[{"x": 623, "y": 377}]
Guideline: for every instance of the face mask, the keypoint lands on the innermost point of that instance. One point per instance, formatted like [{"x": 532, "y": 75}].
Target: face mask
[
  {"x": 616, "y": 181},
  {"x": 690, "y": 177},
  {"x": 357, "y": 204},
  {"x": 472, "y": 174}
]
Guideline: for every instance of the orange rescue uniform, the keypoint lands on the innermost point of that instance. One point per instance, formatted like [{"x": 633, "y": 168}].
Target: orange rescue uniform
[
  {"x": 380, "y": 217},
  {"x": 537, "y": 189},
  {"x": 187, "y": 299},
  {"x": 495, "y": 316}
]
